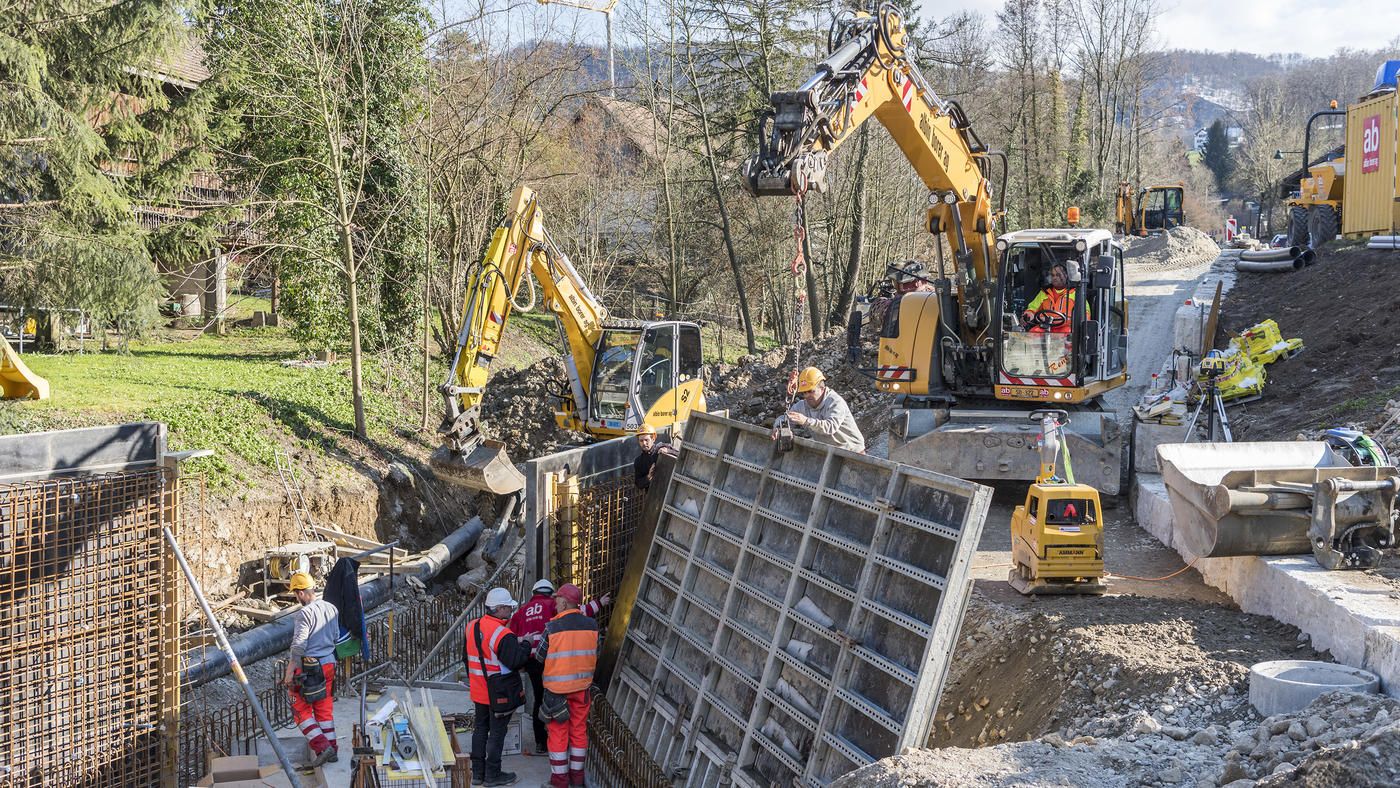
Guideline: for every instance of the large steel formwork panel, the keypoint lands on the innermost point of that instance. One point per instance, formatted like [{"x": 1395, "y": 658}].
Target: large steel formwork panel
[
  {"x": 1370, "y": 186},
  {"x": 797, "y": 611}
]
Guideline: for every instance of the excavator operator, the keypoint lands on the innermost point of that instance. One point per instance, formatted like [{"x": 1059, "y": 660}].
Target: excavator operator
[{"x": 1050, "y": 310}]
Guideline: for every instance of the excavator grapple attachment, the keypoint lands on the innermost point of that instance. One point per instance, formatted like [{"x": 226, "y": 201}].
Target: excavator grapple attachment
[{"x": 486, "y": 467}]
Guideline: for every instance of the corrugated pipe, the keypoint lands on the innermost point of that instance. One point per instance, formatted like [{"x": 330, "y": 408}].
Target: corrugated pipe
[
  {"x": 1270, "y": 266},
  {"x": 1309, "y": 256},
  {"x": 204, "y": 664},
  {"x": 1271, "y": 255}
]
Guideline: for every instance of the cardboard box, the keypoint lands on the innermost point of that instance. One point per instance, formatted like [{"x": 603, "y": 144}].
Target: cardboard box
[
  {"x": 513, "y": 738},
  {"x": 232, "y": 768}
]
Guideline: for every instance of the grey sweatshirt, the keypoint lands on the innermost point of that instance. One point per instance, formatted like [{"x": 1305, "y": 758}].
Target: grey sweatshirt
[
  {"x": 831, "y": 422},
  {"x": 314, "y": 632}
]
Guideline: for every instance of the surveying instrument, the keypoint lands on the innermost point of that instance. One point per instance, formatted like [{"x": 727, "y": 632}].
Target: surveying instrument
[{"x": 1214, "y": 366}]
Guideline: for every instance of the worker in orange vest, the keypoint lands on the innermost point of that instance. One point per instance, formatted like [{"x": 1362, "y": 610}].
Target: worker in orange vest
[
  {"x": 493, "y": 656},
  {"x": 1055, "y": 304},
  {"x": 570, "y": 654}
]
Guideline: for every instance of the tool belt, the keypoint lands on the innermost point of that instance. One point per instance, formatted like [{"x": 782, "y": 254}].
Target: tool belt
[{"x": 312, "y": 681}]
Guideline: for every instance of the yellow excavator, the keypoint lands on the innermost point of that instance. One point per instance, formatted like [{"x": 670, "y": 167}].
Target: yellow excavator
[
  {"x": 622, "y": 374},
  {"x": 978, "y": 348},
  {"x": 1156, "y": 209}
]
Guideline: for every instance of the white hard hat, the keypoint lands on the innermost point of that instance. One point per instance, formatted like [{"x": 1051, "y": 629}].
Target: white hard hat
[
  {"x": 543, "y": 586},
  {"x": 499, "y": 597}
]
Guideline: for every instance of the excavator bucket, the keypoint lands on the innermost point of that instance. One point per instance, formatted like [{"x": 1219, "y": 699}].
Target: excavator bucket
[
  {"x": 486, "y": 467},
  {"x": 16, "y": 379}
]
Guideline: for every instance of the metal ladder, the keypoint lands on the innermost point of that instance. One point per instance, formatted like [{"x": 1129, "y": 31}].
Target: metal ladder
[{"x": 294, "y": 497}]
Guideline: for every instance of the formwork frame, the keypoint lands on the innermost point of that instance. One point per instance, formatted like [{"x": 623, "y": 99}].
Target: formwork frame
[{"x": 747, "y": 540}]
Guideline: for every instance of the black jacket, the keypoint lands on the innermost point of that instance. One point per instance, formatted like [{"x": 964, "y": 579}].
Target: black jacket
[{"x": 343, "y": 591}]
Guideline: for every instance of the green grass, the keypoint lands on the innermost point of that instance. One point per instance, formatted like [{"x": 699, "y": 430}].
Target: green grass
[
  {"x": 230, "y": 394},
  {"x": 242, "y": 307}
]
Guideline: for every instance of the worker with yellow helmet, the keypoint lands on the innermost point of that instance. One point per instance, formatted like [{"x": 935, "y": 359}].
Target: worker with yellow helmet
[
  {"x": 644, "y": 467},
  {"x": 311, "y": 669},
  {"x": 823, "y": 412}
]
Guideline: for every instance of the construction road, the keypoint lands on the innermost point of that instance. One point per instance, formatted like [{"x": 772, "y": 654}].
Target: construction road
[{"x": 1153, "y": 297}]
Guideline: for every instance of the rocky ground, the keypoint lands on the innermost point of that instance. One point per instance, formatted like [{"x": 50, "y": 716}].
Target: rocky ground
[{"x": 1340, "y": 740}]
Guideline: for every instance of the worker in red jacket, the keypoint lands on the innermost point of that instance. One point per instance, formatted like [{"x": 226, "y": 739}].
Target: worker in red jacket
[{"x": 528, "y": 624}]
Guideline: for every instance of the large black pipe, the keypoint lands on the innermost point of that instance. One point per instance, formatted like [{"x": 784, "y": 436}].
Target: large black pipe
[
  {"x": 203, "y": 664},
  {"x": 1270, "y": 266}
]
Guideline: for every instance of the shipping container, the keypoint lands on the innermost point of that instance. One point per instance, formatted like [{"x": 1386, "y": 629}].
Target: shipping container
[{"x": 1369, "y": 192}]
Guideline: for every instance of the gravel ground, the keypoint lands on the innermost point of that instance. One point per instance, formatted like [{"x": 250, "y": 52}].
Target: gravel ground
[{"x": 1179, "y": 247}]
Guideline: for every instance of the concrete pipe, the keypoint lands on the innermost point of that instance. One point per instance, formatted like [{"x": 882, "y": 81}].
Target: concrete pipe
[
  {"x": 1288, "y": 685},
  {"x": 203, "y": 664},
  {"x": 1270, "y": 266},
  {"x": 1270, "y": 255}
]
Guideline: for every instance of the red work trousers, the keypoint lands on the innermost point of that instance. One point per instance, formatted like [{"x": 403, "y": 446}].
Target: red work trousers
[
  {"x": 568, "y": 742},
  {"x": 315, "y": 718}
]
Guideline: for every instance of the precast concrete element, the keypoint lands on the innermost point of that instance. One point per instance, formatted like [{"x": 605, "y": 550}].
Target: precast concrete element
[
  {"x": 1258, "y": 498},
  {"x": 1283, "y": 686},
  {"x": 796, "y": 612}
]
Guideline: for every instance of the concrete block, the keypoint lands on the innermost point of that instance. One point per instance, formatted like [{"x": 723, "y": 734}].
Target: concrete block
[
  {"x": 1154, "y": 509},
  {"x": 1188, "y": 325},
  {"x": 1382, "y": 657},
  {"x": 1147, "y": 438}
]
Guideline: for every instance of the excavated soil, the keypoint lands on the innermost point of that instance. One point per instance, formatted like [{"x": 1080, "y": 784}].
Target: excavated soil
[
  {"x": 1086, "y": 666},
  {"x": 1348, "y": 317},
  {"x": 1179, "y": 247}
]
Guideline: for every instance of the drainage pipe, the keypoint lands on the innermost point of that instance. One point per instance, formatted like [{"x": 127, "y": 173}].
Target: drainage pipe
[
  {"x": 274, "y": 637},
  {"x": 1271, "y": 255},
  {"x": 1271, "y": 266},
  {"x": 1383, "y": 242}
]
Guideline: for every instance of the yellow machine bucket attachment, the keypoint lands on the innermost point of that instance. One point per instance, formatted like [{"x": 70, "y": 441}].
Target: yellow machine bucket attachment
[
  {"x": 485, "y": 466},
  {"x": 16, "y": 379}
]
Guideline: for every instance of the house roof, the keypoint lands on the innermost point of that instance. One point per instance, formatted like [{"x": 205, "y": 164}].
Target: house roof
[
  {"x": 639, "y": 124},
  {"x": 184, "y": 66}
]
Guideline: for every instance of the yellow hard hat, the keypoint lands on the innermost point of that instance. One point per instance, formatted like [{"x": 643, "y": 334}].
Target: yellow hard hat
[
  {"x": 646, "y": 429},
  {"x": 810, "y": 378},
  {"x": 301, "y": 581}
]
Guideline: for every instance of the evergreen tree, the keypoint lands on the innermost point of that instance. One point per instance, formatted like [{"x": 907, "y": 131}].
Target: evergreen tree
[
  {"x": 1217, "y": 154},
  {"x": 92, "y": 127}
]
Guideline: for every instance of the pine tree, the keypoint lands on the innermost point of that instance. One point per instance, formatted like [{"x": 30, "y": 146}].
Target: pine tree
[
  {"x": 1217, "y": 154},
  {"x": 91, "y": 128}
]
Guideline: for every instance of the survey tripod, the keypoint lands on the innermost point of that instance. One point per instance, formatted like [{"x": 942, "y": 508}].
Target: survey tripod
[{"x": 1213, "y": 367}]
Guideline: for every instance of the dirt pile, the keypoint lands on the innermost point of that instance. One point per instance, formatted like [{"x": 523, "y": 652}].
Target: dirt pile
[
  {"x": 1179, "y": 247},
  {"x": 1342, "y": 739},
  {"x": 1351, "y": 338},
  {"x": 518, "y": 411},
  {"x": 1100, "y": 667},
  {"x": 755, "y": 388}
]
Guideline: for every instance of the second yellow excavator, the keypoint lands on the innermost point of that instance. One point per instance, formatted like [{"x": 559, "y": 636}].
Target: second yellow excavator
[
  {"x": 622, "y": 374},
  {"x": 1010, "y": 323},
  {"x": 1154, "y": 210}
]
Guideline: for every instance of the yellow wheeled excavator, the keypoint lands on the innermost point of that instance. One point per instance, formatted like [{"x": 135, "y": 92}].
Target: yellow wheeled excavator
[
  {"x": 622, "y": 374},
  {"x": 1154, "y": 210},
  {"x": 977, "y": 349}
]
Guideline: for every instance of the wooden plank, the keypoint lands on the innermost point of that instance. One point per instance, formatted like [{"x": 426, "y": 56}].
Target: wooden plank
[
  {"x": 264, "y": 616},
  {"x": 1208, "y": 336}
]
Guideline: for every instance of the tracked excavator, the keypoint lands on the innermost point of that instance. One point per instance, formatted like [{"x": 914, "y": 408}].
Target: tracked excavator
[
  {"x": 1154, "y": 210},
  {"x": 622, "y": 374},
  {"x": 966, "y": 361}
]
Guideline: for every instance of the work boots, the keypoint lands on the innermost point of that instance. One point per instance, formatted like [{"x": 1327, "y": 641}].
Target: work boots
[
  {"x": 502, "y": 778},
  {"x": 478, "y": 772}
]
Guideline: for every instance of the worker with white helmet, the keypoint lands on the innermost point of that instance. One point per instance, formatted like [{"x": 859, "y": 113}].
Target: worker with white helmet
[
  {"x": 493, "y": 656},
  {"x": 311, "y": 669},
  {"x": 528, "y": 624},
  {"x": 823, "y": 412}
]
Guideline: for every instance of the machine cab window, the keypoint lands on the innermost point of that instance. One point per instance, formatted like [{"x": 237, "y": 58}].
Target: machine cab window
[
  {"x": 656, "y": 365},
  {"x": 1062, "y": 310},
  {"x": 612, "y": 374}
]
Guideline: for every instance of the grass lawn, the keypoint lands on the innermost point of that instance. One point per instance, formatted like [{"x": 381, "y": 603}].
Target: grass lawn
[{"x": 231, "y": 394}]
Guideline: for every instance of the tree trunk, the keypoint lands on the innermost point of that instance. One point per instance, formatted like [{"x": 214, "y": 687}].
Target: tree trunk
[
  {"x": 357, "y": 387},
  {"x": 840, "y": 313},
  {"x": 275, "y": 296}
]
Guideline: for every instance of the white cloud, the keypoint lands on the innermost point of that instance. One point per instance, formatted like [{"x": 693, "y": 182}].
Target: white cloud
[{"x": 1313, "y": 27}]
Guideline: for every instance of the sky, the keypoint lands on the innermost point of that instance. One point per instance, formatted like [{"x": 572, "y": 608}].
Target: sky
[{"x": 1313, "y": 27}]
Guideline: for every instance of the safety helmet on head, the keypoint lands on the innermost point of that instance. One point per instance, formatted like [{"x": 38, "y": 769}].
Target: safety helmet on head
[
  {"x": 570, "y": 592},
  {"x": 646, "y": 429},
  {"x": 810, "y": 378},
  {"x": 499, "y": 597},
  {"x": 543, "y": 586},
  {"x": 301, "y": 581}
]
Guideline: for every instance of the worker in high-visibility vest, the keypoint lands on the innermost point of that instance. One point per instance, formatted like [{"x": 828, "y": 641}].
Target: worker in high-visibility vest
[
  {"x": 499, "y": 654},
  {"x": 570, "y": 654}
]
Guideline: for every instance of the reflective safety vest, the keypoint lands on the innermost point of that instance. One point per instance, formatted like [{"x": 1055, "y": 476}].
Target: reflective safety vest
[
  {"x": 571, "y": 653},
  {"x": 1061, "y": 301},
  {"x": 492, "y": 630}
]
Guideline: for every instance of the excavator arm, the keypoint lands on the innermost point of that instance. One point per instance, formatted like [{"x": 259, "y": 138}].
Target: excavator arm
[
  {"x": 520, "y": 249},
  {"x": 871, "y": 73}
]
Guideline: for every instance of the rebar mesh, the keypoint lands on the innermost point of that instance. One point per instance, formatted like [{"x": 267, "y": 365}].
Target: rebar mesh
[
  {"x": 595, "y": 524},
  {"x": 89, "y": 631}
]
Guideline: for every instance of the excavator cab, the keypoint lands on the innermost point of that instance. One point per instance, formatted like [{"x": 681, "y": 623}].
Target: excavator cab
[{"x": 646, "y": 373}]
